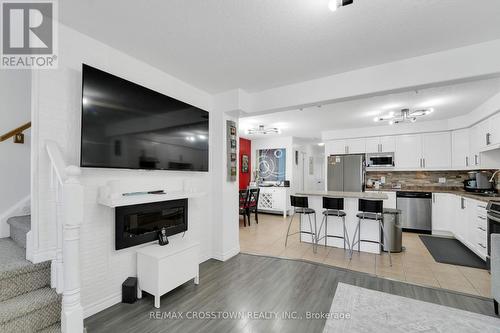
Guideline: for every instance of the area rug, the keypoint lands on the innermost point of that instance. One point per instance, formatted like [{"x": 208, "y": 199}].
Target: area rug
[
  {"x": 356, "y": 309},
  {"x": 451, "y": 251}
]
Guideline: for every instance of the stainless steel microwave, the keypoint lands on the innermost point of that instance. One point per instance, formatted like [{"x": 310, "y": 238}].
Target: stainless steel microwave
[{"x": 380, "y": 160}]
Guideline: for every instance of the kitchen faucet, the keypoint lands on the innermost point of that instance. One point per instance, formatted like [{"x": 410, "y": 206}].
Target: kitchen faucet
[{"x": 492, "y": 179}]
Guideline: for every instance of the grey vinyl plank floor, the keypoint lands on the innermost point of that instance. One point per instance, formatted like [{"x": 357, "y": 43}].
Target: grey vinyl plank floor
[{"x": 249, "y": 283}]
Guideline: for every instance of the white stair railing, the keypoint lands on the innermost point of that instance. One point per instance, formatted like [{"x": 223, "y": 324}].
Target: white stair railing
[{"x": 67, "y": 211}]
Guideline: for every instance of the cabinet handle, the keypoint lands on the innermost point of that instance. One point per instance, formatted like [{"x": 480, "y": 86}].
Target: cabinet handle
[
  {"x": 484, "y": 247},
  {"x": 462, "y": 203},
  {"x": 433, "y": 198},
  {"x": 420, "y": 162},
  {"x": 482, "y": 217},
  {"x": 466, "y": 161},
  {"x": 481, "y": 229},
  {"x": 475, "y": 160},
  {"x": 488, "y": 141}
]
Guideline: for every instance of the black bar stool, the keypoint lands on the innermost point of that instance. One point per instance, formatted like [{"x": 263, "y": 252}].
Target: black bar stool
[
  {"x": 334, "y": 207},
  {"x": 301, "y": 206},
  {"x": 370, "y": 210}
]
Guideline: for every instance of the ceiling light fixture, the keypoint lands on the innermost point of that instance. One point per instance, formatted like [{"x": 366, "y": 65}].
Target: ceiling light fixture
[
  {"x": 321, "y": 144},
  {"x": 333, "y": 5},
  {"x": 263, "y": 130},
  {"x": 406, "y": 116}
]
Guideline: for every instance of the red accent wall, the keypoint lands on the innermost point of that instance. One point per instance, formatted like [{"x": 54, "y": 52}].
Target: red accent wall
[{"x": 245, "y": 149}]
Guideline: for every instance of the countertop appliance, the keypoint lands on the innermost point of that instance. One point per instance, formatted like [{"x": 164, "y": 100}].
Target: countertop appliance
[
  {"x": 416, "y": 210},
  {"x": 346, "y": 173},
  {"x": 380, "y": 160},
  {"x": 493, "y": 226},
  {"x": 479, "y": 181}
]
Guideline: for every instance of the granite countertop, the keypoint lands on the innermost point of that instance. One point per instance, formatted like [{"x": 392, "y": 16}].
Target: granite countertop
[
  {"x": 437, "y": 189},
  {"x": 340, "y": 194}
]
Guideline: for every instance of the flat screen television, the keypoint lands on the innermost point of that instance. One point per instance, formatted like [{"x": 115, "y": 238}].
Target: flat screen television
[{"x": 128, "y": 126}]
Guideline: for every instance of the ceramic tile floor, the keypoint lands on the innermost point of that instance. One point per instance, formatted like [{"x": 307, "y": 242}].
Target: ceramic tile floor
[{"x": 414, "y": 265}]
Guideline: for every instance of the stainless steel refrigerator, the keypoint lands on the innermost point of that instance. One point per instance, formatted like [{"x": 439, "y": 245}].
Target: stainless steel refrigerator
[{"x": 346, "y": 173}]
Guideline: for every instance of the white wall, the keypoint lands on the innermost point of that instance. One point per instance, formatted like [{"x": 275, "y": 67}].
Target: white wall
[
  {"x": 57, "y": 113},
  {"x": 15, "y": 106}
]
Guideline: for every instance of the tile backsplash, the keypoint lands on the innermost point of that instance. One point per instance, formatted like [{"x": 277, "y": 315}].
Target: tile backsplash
[{"x": 420, "y": 179}]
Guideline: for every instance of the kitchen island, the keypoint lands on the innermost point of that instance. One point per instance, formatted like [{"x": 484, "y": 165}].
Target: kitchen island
[{"x": 370, "y": 229}]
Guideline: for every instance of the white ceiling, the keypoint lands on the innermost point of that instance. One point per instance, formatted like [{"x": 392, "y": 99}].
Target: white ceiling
[
  {"x": 218, "y": 45},
  {"x": 448, "y": 102}
]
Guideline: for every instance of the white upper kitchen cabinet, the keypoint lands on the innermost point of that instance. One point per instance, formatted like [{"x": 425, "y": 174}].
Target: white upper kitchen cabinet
[
  {"x": 356, "y": 146},
  {"x": 460, "y": 154},
  {"x": 482, "y": 135},
  {"x": 383, "y": 144},
  {"x": 474, "y": 145},
  {"x": 443, "y": 214},
  {"x": 373, "y": 145},
  {"x": 494, "y": 129},
  {"x": 408, "y": 153},
  {"x": 388, "y": 144},
  {"x": 436, "y": 148},
  {"x": 335, "y": 147}
]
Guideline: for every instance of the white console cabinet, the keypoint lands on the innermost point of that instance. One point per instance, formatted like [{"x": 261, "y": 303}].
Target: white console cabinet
[
  {"x": 274, "y": 199},
  {"x": 161, "y": 269}
]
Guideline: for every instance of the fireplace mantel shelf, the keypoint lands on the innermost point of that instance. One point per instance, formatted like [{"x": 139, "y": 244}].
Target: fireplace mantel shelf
[{"x": 120, "y": 200}]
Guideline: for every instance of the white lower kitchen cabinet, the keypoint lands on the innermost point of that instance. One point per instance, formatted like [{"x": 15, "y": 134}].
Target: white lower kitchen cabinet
[
  {"x": 391, "y": 202},
  {"x": 274, "y": 200},
  {"x": 461, "y": 217},
  {"x": 443, "y": 213}
]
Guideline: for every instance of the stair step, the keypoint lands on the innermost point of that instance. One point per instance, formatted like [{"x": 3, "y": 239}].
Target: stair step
[
  {"x": 17, "y": 275},
  {"x": 56, "y": 328},
  {"x": 30, "y": 312},
  {"x": 19, "y": 227}
]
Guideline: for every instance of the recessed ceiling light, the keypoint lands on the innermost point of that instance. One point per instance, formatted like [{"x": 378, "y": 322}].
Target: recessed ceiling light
[{"x": 321, "y": 144}]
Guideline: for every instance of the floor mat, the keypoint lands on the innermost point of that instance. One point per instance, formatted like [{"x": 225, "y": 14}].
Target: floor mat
[{"x": 451, "y": 251}]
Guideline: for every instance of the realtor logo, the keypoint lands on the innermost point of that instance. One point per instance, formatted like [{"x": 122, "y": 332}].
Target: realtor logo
[{"x": 28, "y": 34}]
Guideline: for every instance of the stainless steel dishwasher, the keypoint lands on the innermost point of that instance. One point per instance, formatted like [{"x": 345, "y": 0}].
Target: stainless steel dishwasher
[{"x": 416, "y": 210}]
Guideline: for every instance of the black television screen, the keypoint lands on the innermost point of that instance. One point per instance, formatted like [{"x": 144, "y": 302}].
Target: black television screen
[{"x": 125, "y": 125}]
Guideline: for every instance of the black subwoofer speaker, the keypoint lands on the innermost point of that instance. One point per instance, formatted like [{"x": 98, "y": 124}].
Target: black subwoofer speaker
[{"x": 129, "y": 290}]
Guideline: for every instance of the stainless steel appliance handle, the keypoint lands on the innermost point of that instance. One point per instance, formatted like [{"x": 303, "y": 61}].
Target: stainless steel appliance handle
[{"x": 494, "y": 218}]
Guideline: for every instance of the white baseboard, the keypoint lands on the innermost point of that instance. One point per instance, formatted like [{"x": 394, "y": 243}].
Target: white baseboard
[
  {"x": 103, "y": 304},
  {"x": 20, "y": 208},
  {"x": 227, "y": 255}
]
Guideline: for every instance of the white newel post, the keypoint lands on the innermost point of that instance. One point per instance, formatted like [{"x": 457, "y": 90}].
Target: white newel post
[{"x": 72, "y": 312}]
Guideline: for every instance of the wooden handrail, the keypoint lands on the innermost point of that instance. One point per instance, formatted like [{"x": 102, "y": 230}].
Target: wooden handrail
[{"x": 15, "y": 132}]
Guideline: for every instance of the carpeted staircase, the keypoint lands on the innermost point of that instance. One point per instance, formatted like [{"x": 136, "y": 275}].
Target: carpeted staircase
[{"x": 27, "y": 303}]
